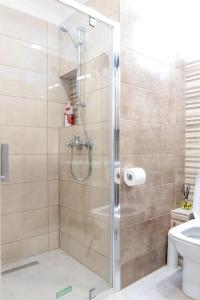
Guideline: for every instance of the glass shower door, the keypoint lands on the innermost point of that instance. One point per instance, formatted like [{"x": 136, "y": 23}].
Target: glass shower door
[{"x": 56, "y": 102}]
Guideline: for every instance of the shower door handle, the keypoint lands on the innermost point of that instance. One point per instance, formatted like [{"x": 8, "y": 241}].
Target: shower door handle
[{"x": 4, "y": 170}]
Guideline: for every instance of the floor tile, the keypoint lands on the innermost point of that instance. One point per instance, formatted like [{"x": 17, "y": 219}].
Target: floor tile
[{"x": 55, "y": 271}]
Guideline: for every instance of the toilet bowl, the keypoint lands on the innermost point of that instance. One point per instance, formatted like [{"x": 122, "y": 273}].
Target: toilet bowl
[{"x": 186, "y": 240}]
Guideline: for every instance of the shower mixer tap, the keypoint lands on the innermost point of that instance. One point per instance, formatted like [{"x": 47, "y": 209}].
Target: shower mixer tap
[{"x": 78, "y": 144}]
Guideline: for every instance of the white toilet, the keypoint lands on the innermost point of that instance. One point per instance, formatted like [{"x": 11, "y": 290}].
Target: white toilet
[{"x": 186, "y": 240}]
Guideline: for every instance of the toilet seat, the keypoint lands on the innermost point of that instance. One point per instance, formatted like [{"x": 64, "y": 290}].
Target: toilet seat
[{"x": 183, "y": 232}]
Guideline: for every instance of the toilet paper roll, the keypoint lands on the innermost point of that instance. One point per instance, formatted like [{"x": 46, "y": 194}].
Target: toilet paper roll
[
  {"x": 134, "y": 176},
  {"x": 117, "y": 175}
]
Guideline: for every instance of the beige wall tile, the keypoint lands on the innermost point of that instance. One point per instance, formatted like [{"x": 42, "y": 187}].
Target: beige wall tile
[
  {"x": 92, "y": 259},
  {"x": 53, "y": 140},
  {"x": 53, "y": 36},
  {"x": 91, "y": 232},
  {"x": 151, "y": 234},
  {"x": 53, "y": 62},
  {"x": 64, "y": 220},
  {"x": 64, "y": 242},
  {"x": 21, "y": 112},
  {"x": 97, "y": 103},
  {"x": 53, "y": 218},
  {"x": 25, "y": 140},
  {"x": 142, "y": 266},
  {"x": 53, "y": 166},
  {"x": 144, "y": 202},
  {"x": 144, "y": 72},
  {"x": 24, "y": 248},
  {"x": 54, "y": 240},
  {"x": 53, "y": 192},
  {"x": 26, "y": 56},
  {"x": 24, "y": 196},
  {"x": 139, "y": 104},
  {"x": 55, "y": 114},
  {"x": 98, "y": 70},
  {"x": 58, "y": 89},
  {"x": 146, "y": 138},
  {"x": 27, "y": 224},
  {"x": 22, "y": 26},
  {"x": 21, "y": 83},
  {"x": 27, "y": 168},
  {"x": 84, "y": 199}
]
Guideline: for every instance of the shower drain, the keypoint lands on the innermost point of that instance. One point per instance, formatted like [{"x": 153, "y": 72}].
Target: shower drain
[{"x": 33, "y": 263}]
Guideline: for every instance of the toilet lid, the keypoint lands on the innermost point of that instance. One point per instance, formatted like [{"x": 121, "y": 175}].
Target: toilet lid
[{"x": 196, "y": 199}]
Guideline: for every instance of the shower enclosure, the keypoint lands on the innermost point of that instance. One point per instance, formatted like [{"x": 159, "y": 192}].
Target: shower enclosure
[{"x": 59, "y": 72}]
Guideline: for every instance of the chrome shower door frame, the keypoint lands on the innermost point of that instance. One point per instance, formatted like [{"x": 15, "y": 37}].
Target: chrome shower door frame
[{"x": 115, "y": 162}]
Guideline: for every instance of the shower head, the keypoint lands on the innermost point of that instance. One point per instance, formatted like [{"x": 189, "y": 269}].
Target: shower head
[
  {"x": 76, "y": 41},
  {"x": 63, "y": 28}
]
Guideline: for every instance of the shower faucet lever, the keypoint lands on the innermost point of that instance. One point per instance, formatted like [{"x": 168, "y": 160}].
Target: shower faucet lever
[{"x": 78, "y": 144}]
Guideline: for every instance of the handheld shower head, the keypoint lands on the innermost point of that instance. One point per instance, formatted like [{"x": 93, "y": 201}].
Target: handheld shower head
[{"x": 66, "y": 29}]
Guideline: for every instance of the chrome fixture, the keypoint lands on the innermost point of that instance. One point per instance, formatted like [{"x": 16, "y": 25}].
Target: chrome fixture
[
  {"x": 78, "y": 144},
  {"x": 76, "y": 141},
  {"x": 4, "y": 163},
  {"x": 76, "y": 41}
]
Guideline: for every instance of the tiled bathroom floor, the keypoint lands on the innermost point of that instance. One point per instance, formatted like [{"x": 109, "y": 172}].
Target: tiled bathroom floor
[
  {"x": 160, "y": 285},
  {"x": 55, "y": 271}
]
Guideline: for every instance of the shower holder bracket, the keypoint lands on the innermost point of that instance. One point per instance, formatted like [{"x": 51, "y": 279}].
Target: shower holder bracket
[{"x": 92, "y": 294}]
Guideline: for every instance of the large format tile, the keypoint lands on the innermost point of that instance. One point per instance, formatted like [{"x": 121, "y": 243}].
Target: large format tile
[
  {"x": 22, "y": 26},
  {"x": 22, "y": 83},
  {"x": 53, "y": 166},
  {"x": 24, "y": 248},
  {"x": 144, "y": 72},
  {"x": 27, "y": 224},
  {"x": 5, "y": 293},
  {"x": 85, "y": 199},
  {"x": 53, "y": 218},
  {"x": 53, "y": 140},
  {"x": 145, "y": 202},
  {"x": 53, "y": 192},
  {"x": 21, "y": 112},
  {"x": 24, "y": 196},
  {"x": 26, "y": 56},
  {"x": 58, "y": 89},
  {"x": 25, "y": 140},
  {"x": 27, "y": 168},
  {"x": 139, "y": 104},
  {"x": 54, "y": 240},
  {"x": 146, "y": 138},
  {"x": 55, "y": 271},
  {"x": 55, "y": 114},
  {"x": 142, "y": 238},
  {"x": 142, "y": 266},
  {"x": 161, "y": 284},
  {"x": 90, "y": 232}
]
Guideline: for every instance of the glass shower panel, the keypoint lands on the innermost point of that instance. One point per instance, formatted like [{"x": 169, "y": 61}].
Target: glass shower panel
[
  {"x": 85, "y": 52},
  {"x": 55, "y": 114}
]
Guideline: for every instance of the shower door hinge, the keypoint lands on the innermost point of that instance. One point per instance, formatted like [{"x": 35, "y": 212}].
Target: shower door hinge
[
  {"x": 92, "y": 294},
  {"x": 92, "y": 21}
]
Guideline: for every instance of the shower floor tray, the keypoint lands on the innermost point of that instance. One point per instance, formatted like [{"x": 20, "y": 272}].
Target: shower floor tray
[{"x": 55, "y": 272}]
